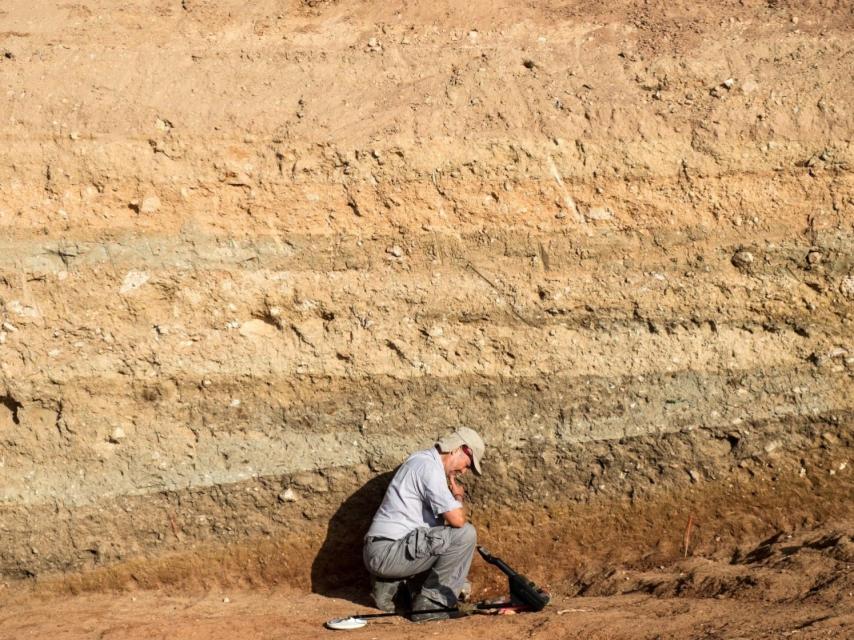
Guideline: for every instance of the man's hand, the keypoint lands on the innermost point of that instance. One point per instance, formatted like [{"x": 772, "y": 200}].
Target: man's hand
[
  {"x": 457, "y": 489},
  {"x": 456, "y": 517}
]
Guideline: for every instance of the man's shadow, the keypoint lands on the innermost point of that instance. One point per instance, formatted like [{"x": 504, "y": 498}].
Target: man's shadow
[{"x": 338, "y": 570}]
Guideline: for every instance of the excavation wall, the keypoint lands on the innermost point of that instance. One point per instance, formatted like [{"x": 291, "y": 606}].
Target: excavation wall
[{"x": 252, "y": 254}]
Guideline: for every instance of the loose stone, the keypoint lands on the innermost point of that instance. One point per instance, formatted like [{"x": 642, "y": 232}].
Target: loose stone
[{"x": 742, "y": 259}]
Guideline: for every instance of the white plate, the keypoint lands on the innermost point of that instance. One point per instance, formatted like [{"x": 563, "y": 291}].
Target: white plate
[{"x": 341, "y": 624}]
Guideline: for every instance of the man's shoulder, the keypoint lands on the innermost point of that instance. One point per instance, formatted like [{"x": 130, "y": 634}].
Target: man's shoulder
[
  {"x": 424, "y": 454},
  {"x": 419, "y": 461}
]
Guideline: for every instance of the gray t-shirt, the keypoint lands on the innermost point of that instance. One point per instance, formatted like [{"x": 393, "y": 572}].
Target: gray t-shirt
[{"x": 417, "y": 496}]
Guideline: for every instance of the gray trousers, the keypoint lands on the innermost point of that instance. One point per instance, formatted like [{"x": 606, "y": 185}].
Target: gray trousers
[{"x": 446, "y": 552}]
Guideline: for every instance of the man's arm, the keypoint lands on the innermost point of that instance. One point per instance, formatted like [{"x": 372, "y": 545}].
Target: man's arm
[{"x": 456, "y": 517}]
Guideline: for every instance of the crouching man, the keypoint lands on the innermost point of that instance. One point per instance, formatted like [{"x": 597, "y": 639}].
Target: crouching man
[{"x": 421, "y": 528}]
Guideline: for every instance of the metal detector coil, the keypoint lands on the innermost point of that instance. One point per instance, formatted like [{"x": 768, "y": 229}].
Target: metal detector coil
[
  {"x": 346, "y": 624},
  {"x": 522, "y": 591}
]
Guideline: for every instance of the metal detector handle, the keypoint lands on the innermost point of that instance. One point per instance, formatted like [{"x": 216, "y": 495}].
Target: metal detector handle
[{"x": 498, "y": 562}]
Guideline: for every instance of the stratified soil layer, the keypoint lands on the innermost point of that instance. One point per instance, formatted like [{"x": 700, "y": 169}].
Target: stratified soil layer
[{"x": 254, "y": 253}]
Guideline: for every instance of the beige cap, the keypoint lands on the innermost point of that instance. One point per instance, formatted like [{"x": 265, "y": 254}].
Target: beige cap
[{"x": 464, "y": 435}]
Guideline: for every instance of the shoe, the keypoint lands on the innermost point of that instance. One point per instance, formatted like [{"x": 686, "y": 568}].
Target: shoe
[
  {"x": 425, "y": 605},
  {"x": 465, "y": 592},
  {"x": 383, "y": 593}
]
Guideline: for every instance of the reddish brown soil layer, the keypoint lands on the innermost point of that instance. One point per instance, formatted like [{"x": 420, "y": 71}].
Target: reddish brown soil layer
[{"x": 796, "y": 584}]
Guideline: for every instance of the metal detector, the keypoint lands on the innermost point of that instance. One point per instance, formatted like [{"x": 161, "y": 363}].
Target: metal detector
[{"x": 524, "y": 596}]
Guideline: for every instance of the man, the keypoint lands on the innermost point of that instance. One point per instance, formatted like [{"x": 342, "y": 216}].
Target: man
[{"x": 421, "y": 526}]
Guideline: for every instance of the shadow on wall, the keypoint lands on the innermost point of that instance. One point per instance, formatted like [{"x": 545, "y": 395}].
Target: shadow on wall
[{"x": 338, "y": 571}]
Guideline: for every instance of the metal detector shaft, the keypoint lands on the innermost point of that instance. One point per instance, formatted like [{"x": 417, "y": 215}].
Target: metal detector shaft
[{"x": 480, "y": 606}]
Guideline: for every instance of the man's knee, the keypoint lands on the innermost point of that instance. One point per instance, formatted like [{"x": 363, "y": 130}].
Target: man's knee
[{"x": 467, "y": 535}]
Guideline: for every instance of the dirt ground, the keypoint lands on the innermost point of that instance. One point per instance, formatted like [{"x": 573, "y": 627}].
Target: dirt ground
[
  {"x": 282, "y": 614},
  {"x": 796, "y": 584}
]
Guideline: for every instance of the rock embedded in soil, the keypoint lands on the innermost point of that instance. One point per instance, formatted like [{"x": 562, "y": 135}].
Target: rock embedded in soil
[
  {"x": 288, "y": 495},
  {"x": 742, "y": 259},
  {"x": 150, "y": 204},
  {"x": 117, "y": 435},
  {"x": 599, "y": 214}
]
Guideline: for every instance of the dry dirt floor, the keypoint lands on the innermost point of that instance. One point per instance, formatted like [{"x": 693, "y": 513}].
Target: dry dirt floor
[{"x": 797, "y": 585}]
